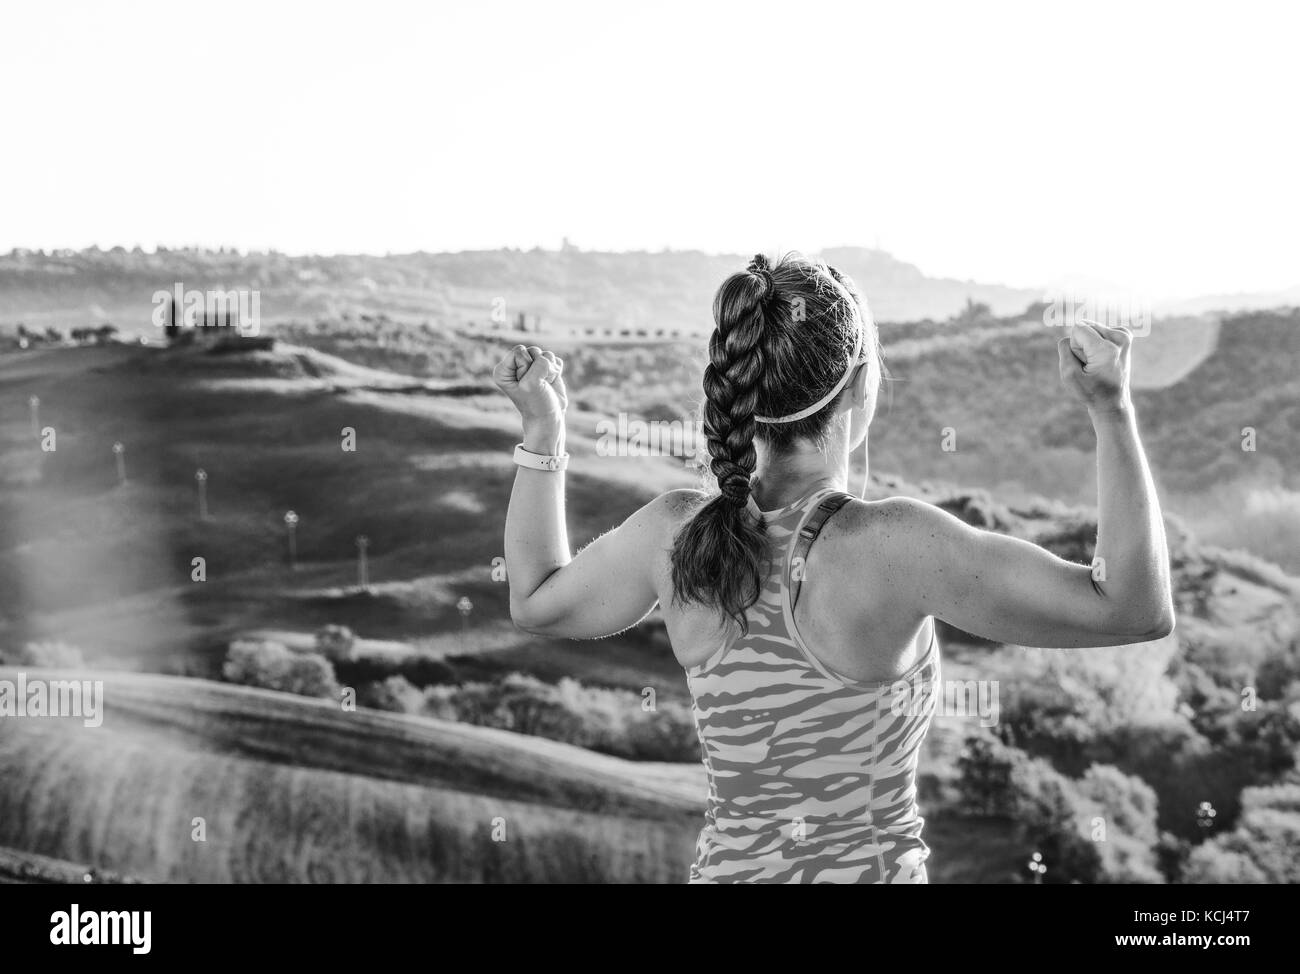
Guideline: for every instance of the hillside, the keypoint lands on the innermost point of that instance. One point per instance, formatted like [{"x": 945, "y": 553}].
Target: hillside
[
  {"x": 107, "y": 567},
  {"x": 560, "y": 292},
  {"x": 89, "y": 561},
  {"x": 568, "y": 289},
  {"x": 340, "y": 797},
  {"x": 297, "y": 790},
  {"x": 992, "y": 379},
  {"x": 93, "y": 562},
  {"x": 1199, "y": 382}
]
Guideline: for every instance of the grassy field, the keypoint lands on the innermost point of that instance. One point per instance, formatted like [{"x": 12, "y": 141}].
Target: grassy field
[
  {"x": 294, "y": 790},
  {"x": 297, "y": 790},
  {"x": 27, "y": 868},
  {"x": 108, "y": 566}
]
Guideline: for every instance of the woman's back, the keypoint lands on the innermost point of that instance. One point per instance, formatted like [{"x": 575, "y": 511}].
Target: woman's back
[
  {"x": 812, "y": 775},
  {"x": 812, "y": 719}
]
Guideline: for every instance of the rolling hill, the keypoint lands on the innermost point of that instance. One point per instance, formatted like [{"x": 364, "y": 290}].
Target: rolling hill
[
  {"x": 91, "y": 561},
  {"x": 297, "y": 789},
  {"x": 568, "y": 289},
  {"x": 1199, "y": 382}
]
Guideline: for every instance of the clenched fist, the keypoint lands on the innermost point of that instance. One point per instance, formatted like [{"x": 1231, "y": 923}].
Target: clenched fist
[
  {"x": 534, "y": 381},
  {"x": 1095, "y": 364}
]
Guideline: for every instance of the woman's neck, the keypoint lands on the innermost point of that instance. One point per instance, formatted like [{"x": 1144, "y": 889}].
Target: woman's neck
[{"x": 797, "y": 472}]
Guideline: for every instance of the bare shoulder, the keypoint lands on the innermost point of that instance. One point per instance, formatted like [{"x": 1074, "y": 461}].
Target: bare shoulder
[
  {"x": 670, "y": 510},
  {"x": 679, "y": 504},
  {"x": 893, "y": 516},
  {"x": 891, "y": 532}
]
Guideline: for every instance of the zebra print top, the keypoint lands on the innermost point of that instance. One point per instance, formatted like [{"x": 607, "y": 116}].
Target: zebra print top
[{"x": 812, "y": 776}]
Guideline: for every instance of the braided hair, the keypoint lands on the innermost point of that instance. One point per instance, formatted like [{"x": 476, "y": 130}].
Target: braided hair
[
  {"x": 731, "y": 380},
  {"x": 783, "y": 335}
]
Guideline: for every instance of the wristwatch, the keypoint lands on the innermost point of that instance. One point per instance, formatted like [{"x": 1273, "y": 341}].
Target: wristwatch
[{"x": 540, "y": 461}]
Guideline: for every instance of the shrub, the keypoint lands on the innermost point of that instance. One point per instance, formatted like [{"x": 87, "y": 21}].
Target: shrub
[
  {"x": 610, "y": 721},
  {"x": 1058, "y": 816},
  {"x": 1182, "y": 766},
  {"x": 1127, "y": 806},
  {"x": 984, "y": 776},
  {"x": 1057, "y": 705},
  {"x": 1264, "y": 848},
  {"x": 1277, "y": 671},
  {"x": 1049, "y": 811},
  {"x": 272, "y": 666},
  {"x": 1129, "y": 802},
  {"x": 335, "y": 642},
  {"x": 669, "y": 736},
  {"x": 395, "y": 694},
  {"x": 1212, "y": 863},
  {"x": 54, "y": 656},
  {"x": 517, "y": 703}
]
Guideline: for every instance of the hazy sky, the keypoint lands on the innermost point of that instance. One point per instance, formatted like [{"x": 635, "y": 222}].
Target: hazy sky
[{"x": 1154, "y": 147}]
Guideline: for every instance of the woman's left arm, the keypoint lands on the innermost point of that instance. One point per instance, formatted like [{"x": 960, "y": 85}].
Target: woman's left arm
[{"x": 610, "y": 585}]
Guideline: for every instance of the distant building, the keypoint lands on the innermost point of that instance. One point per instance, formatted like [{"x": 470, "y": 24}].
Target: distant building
[
  {"x": 526, "y": 321},
  {"x": 214, "y": 322}
]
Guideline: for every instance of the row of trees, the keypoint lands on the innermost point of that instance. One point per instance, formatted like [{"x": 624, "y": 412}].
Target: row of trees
[
  {"x": 617, "y": 722},
  {"x": 98, "y": 335}
]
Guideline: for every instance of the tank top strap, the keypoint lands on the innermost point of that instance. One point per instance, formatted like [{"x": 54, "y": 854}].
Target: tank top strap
[{"x": 821, "y": 507}]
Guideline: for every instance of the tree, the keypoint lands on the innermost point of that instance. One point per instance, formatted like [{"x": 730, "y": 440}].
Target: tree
[
  {"x": 335, "y": 642},
  {"x": 1127, "y": 806},
  {"x": 984, "y": 781},
  {"x": 1264, "y": 848},
  {"x": 1212, "y": 863},
  {"x": 395, "y": 695},
  {"x": 1100, "y": 828},
  {"x": 1128, "y": 801},
  {"x": 1048, "y": 808},
  {"x": 272, "y": 666}
]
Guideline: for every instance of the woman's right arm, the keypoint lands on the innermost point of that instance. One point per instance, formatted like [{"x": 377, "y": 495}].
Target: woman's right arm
[{"x": 1012, "y": 591}]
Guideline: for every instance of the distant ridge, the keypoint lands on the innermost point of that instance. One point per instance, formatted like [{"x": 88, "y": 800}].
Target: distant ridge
[{"x": 565, "y": 289}]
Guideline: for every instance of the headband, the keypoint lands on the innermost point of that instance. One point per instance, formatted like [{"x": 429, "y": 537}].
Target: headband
[{"x": 835, "y": 391}]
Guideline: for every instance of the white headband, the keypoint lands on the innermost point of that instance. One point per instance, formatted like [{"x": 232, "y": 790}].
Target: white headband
[{"x": 835, "y": 391}]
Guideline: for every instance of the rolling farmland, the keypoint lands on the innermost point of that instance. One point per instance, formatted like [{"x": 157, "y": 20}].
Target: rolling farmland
[{"x": 297, "y": 790}]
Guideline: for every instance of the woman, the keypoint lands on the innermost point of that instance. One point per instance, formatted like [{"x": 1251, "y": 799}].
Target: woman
[{"x": 795, "y": 652}]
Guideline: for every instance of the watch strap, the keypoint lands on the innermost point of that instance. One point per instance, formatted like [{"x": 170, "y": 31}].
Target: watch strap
[{"x": 540, "y": 461}]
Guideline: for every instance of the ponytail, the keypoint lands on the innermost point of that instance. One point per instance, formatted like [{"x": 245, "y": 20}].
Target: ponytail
[{"x": 785, "y": 342}]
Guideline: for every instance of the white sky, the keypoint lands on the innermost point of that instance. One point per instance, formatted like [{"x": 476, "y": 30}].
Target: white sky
[{"x": 1152, "y": 147}]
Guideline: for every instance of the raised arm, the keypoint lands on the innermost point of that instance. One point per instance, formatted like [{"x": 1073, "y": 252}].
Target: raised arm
[
  {"x": 610, "y": 584},
  {"x": 1011, "y": 591}
]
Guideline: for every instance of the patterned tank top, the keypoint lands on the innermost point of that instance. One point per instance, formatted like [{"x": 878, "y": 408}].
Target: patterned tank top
[{"x": 812, "y": 775}]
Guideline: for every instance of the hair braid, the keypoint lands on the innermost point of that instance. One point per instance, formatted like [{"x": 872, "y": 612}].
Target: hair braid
[{"x": 731, "y": 389}]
